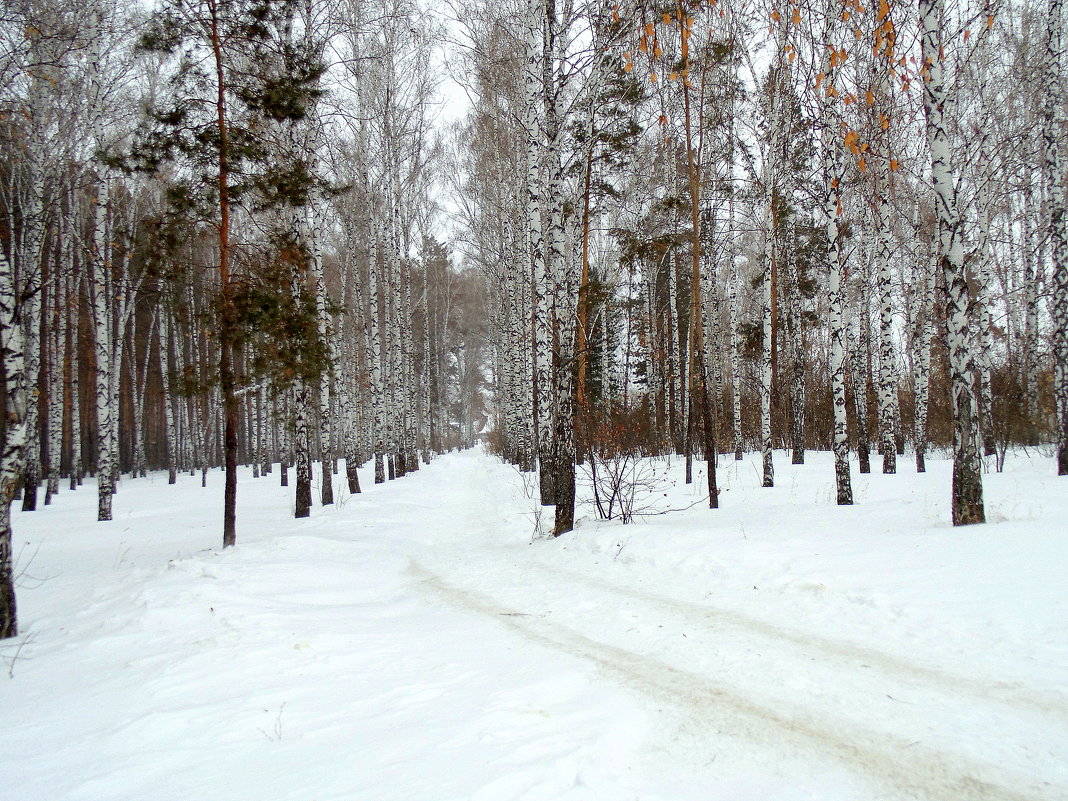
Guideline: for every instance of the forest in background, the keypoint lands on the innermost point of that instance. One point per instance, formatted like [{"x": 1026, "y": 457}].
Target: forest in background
[{"x": 235, "y": 232}]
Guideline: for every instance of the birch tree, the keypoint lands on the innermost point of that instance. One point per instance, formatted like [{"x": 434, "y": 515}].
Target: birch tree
[
  {"x": 967, "y": 498},
  {"x": 834, "y": 178},
  {"x": 1054, "y": 118}
]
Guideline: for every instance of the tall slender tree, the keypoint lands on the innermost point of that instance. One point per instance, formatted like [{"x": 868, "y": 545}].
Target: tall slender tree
[{"x": 967, "y": 498}]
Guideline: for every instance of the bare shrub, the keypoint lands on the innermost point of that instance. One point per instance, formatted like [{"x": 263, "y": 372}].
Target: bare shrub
[{"x": 625, "y": 482}]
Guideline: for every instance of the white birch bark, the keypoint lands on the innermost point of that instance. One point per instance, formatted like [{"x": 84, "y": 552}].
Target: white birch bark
[
  {"x": 351, "y": 402},
  {"x": 675, "y": 363},
  {"x": 797, "y": 346},
  {"x": 31, "y": 255},
  {"x": 424, "y": 378},
  {"x": 536, "y": 134},
  {"x": 314, "y": 230},
  {"x": 967, "y": 502},
  {"x": 1054, "y": 115},
  {"x": 734, "y": 280},
  {"x": 163, "y": 333},
  {"x": 56, "y": 356},
  {"x": 770, "y": 228},
  {"x": 765, "y": 361},
  {"x": 408, "y": 452},
  {"x": 984, "y": 248},
  {"x": 138, "y": 382},
  {"x": 922, "y": 359},
  {"x": 887, "y": 385},
  {"x": 74, "y": 283},
  {"x": 833, "y": 175},
  {"x": 392, "y": 337},
  {"x": 301, "y": 457},
  {"x": 100, "y": 306},
  {"x": 12, "y": 356},
  {"x": 860, "y": 364},
  {"x": 100, "y": 297},
  {"x": 375, "y": 355},
  {"x": 1028, "y": 253}
]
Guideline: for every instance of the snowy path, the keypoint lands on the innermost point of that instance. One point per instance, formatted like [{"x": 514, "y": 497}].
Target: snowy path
[
  {"x": 414, "y": 643},
  {"x": 799, "y": 718}
]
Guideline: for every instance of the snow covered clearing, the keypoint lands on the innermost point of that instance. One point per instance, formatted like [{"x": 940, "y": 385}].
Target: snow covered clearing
[{"x": 417, "y": 643}]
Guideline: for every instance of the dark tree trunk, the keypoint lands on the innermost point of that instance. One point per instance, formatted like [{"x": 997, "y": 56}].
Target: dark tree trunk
[
  {"x": 227, "y": 322},
  {"x": 8, "y": 611},
  {"x": 352, "y": 475},
  {"x": 30, "y": 482},
  {"x": 328, "y": 483},
  {"x": 565, "y": 496},
  {"x": 300, "y": 450}
]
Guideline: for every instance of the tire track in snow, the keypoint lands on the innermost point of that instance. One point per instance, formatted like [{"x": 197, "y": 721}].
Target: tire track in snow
[
  {"x": 911, "y": 768},
  {"x": 820, "y": 648}
]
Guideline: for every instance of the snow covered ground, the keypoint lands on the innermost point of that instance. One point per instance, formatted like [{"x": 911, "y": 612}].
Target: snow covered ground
[{"x": 416, "y": 643}]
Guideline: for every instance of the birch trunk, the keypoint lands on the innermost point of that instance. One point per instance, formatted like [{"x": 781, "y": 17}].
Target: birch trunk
[
  {"x": 375, "y": 358},
  {"x": 14, "y": 433},
  {"x": 766, "y": 371},
  {"x": 392, "y": 337},
  {"x": 967, "y": 480},
  {"x": 56, "y": 356},
  {"x": 100, "y": 305},
  {"x": 984, "y": 248},
  {"x": 797, "y": 347},
  {"x": 351, "y": 400},
  {"x": 534, "y": 48},
  {"x": 922, "y": 379},
  {"x": 313, "y": 228},
  {"x": 735, "y": 278},
  {"x": 771, "y": 208},
  {"x": 1053, "y": 129},
  {"x": 285, "y": 440},
  {"x": 302, "y": 506},
  {"x": 1028, "y": 253},
  {"x": 31, "y": 256},
  {"x": 164, "y": 343},
  {"x": 73, "y": 281},
  {"x": 563, "y": 281},
  {"x": 860, "y": 371},
  {"x": 887, "y": 389},
  {"x": 833, "y": 178}
]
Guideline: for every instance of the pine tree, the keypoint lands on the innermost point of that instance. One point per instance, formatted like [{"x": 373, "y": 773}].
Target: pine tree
[{"x": 215, "y": 131}]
